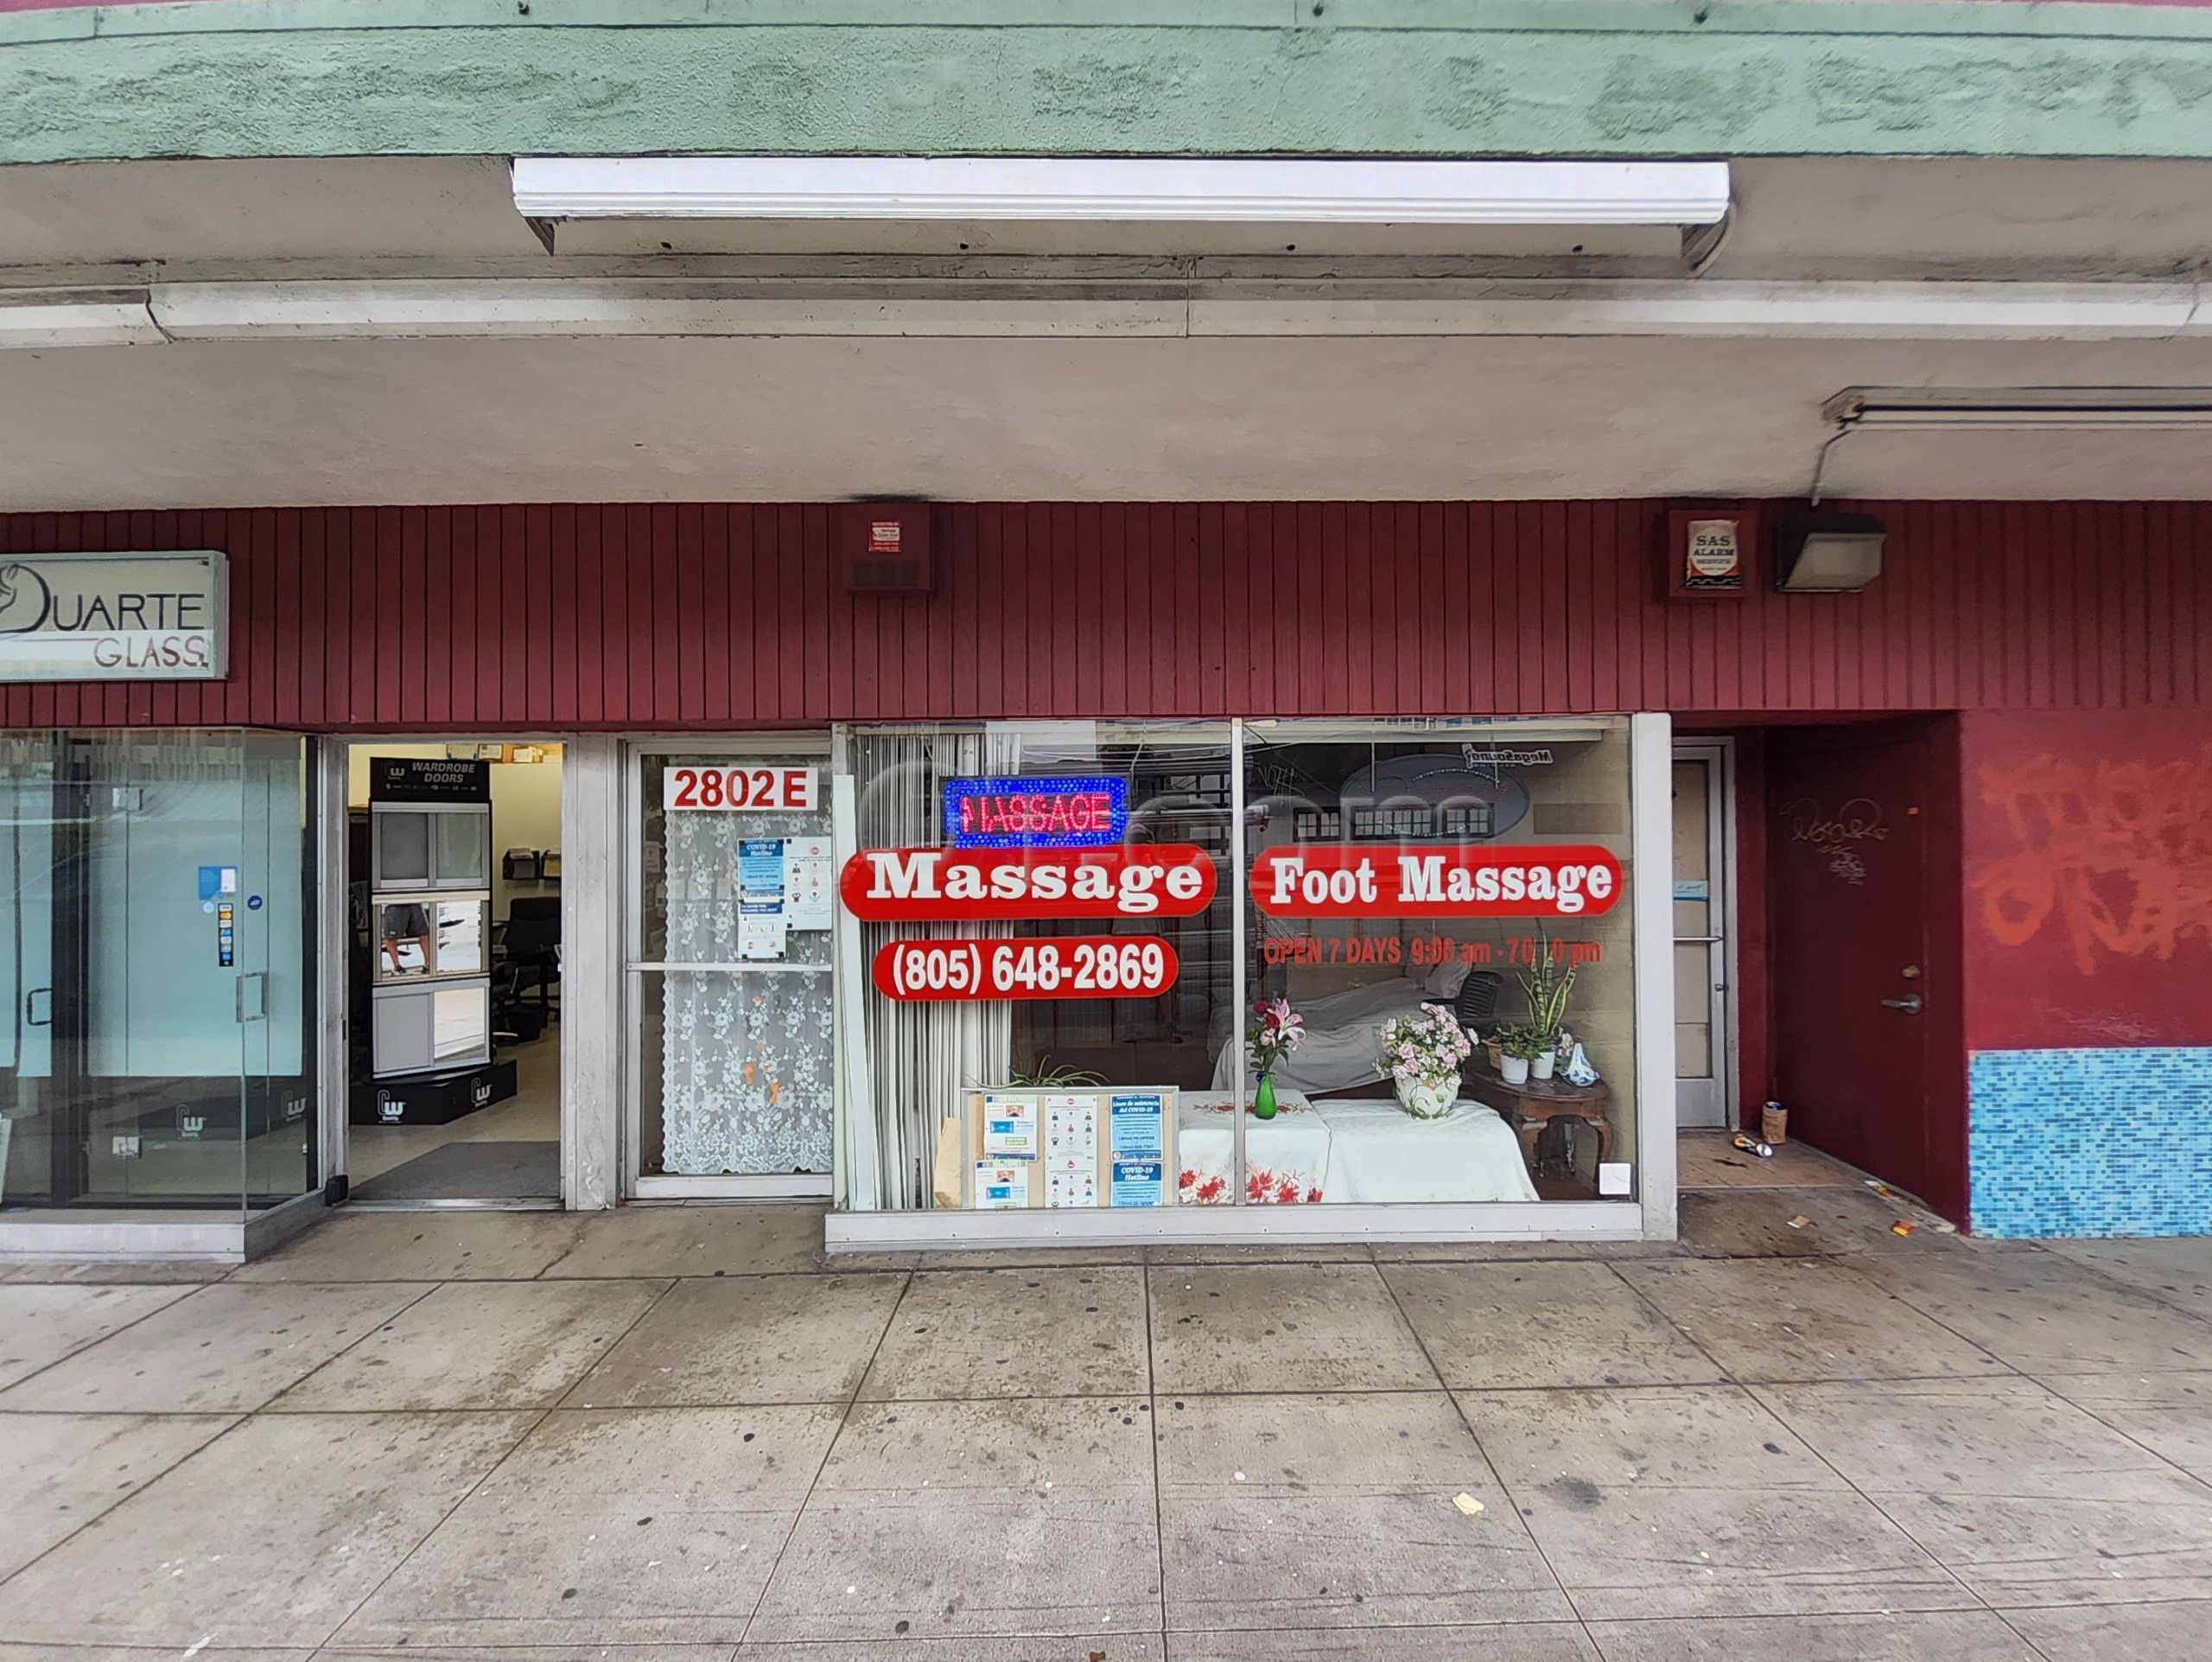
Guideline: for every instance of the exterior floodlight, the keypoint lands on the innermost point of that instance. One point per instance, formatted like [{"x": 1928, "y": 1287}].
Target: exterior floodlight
[{"x": 1828, "y": 553}]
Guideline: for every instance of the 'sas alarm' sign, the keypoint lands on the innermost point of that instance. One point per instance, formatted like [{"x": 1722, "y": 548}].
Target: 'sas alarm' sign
[{"x": 1708, "y": 553}]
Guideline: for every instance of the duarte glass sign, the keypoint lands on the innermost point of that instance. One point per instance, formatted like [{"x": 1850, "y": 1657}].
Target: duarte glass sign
[{"x": 114, "y": 617}]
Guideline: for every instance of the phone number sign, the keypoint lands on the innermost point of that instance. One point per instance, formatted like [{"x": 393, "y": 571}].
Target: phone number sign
[{"x": 1054, "y": 966}]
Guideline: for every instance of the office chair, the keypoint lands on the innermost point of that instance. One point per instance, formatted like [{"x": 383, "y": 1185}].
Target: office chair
[
  {"x": 1476, "y": 1005},
  {"x": 530, "y": 945}
]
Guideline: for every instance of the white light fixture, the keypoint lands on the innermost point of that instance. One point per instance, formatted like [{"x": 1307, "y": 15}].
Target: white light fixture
[
  {"x": 1200, "y": 190},
  {"x": 2020, "y": 406},
  {"x": 1858, "y": 409}
]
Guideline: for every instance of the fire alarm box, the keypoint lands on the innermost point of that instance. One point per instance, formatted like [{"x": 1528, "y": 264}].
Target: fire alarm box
[
  {"x": 1709, "y": 552},
  {"x": 886, "y": 548}
]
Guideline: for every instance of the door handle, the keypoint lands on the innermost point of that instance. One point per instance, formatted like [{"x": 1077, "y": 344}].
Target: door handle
[
  {"x": 1910, "y": 1004},
  {"x": 252, "y": 995},
  {"x": 31, "y": 1021}
]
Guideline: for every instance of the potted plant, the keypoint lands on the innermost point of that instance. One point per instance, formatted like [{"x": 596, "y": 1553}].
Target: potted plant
[
  {"x": 1043, "y": 1076},
  {"x": 1277, "y": 1032},
  {"x": 1549, "y": 984},
  {"x": 1423, "y": 1052},
  {"x": 1519, "y": 1043}
]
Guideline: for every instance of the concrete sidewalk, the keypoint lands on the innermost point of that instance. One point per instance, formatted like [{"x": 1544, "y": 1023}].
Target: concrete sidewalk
[{"x": 674, "y": 1433}]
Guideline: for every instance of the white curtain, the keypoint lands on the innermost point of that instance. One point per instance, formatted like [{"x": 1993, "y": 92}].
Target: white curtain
[
  {"x": 923, "y": 1055},
  {"x": 746, "y": 1057}
]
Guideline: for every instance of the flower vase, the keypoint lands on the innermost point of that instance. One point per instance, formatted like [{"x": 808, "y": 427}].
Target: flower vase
[
  {"x": 1263, "y": 1098},
  {"x": 1540, "y": 1064},
  {"x": 1422, "y": 1101}
]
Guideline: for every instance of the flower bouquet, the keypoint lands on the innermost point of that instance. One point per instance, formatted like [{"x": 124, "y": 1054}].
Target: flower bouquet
[
  {"x": 1277, "y": 1032},
  {"x": 1423, "y": 1052}
]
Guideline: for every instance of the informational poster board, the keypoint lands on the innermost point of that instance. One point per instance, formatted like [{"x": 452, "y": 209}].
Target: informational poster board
[
  {"x": 1072, "y": 1150},
  {"x": 1009, "y": 1127},
  {"x": 809, "y": 883},
  {"x": 1069, "y": 1149}
]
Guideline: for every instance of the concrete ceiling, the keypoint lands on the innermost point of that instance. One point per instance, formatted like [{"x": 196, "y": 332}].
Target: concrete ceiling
[
  {"x": 235, "y": 424},
  {"x": 1300, "y": 411},
  {"x": 1795, "y": 218}
]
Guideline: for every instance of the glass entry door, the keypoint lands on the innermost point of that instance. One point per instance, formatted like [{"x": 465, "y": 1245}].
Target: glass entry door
[
  {"x": 153, "y": 887},
  {"x": 1701, "y": 1048},
  {"x": 730, "y": 976}
]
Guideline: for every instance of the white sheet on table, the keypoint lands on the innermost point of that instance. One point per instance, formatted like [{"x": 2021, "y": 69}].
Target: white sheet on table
[
  {"x": 1378, "y": 1152},
  {"x": 1285, "y": 1158},
  {"x": 1343, "y": 1032}
]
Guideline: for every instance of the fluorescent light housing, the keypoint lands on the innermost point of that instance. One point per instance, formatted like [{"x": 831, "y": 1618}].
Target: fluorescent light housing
[
  {"x": 1828, "y": 553},
  {"x": 1156, "y": 190},
  {"x": 2020, "y": 407}
]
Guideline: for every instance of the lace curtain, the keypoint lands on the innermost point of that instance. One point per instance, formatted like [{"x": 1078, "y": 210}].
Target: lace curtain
[
  {"x": 746, "y": 1055},
  {"x": 923, "y": 1055}
]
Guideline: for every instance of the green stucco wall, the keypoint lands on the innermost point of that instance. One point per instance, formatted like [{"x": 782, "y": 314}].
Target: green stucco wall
[{"x": 1412, "y": 77}]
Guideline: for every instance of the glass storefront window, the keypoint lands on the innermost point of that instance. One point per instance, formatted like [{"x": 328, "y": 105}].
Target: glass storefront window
[
  {"x": 1443, "y": 908},
  {"x": 1052, "y": 1042},
  {"x": 156, "y": 907},
  {"x": 1438, "y": 910}
]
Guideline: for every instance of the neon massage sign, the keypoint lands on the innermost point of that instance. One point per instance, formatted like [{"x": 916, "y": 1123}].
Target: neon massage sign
[{"x": 1050, "y": 812}]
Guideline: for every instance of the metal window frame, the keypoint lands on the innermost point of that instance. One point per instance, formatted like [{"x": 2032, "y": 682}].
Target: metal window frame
[
  {"x": 634, "y": 1184},
  {"x": 1650, "y": 1214},
  {"x": 1720, "y": 752}
]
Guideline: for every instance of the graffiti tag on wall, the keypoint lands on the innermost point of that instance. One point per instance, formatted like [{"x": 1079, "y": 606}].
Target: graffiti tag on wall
[
  {"x": 1858, "y": 820},
  {"x": 2116, "y": 854}
]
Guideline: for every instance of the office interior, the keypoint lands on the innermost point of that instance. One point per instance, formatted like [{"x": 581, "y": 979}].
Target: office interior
[{"x": 504, "y": 1151}]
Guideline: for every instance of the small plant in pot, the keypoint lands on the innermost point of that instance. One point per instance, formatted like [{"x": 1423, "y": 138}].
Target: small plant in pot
[
  {"x": 1520, "y": 1044},
  {"x": 1549, "y": 984},
  {"x": 1041, "y": 1075},
  {"x": 1423, "y": 1052}
]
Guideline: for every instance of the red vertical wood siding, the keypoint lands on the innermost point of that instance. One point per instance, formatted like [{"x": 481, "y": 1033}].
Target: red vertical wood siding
[{"x": 552, "y": 619}]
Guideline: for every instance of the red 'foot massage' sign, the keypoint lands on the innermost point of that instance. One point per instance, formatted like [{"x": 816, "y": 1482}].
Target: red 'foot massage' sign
[
  {"x": 1157, "y": 880},
  {"x": 1442, "y": 880}
]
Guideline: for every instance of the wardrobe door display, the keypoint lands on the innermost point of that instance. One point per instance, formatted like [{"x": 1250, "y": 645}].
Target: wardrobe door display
[{"x": 735, "y": 967}]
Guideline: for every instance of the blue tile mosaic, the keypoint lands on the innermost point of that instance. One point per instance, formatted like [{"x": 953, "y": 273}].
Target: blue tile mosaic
[{"x": 2091, "y": 1141}]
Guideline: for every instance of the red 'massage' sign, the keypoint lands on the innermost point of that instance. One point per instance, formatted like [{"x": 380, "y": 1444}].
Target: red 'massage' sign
[
  {"x": 1435, "y": 880},
  {"x": 1157, "y": 880}
]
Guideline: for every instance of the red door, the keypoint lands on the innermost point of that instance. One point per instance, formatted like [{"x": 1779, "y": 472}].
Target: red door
[{"x": 1848, "y": 873}]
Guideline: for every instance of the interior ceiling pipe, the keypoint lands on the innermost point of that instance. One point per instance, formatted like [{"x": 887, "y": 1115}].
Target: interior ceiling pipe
[
  {"x": 576, "y": 305},
  {"x": 1161, "y": 189},
  {"x": 2020, "y": 406}
]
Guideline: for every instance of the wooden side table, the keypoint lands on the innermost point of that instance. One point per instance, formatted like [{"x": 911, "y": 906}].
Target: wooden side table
[{"x": 1526, "y": 1107}]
